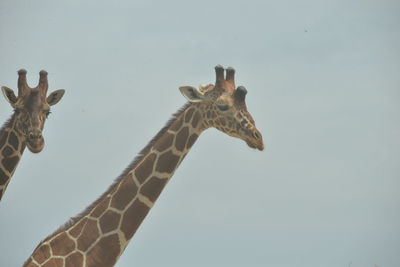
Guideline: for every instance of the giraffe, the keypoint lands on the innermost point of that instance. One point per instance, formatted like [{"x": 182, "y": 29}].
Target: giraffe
[
  {"x": 99, "y": 235},
  {"x": 25, "y": 126}
]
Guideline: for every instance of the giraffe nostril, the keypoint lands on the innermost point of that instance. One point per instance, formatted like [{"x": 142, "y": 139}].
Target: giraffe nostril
[{"x": 34, "y": 135}]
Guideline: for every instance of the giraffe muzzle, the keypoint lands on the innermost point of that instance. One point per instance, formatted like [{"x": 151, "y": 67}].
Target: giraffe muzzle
[
  {"x": 255, "y": 140},
  {"x": 35, "y": 141}
]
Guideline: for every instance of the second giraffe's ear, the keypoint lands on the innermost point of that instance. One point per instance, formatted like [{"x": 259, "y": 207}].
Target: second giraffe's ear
[
  {"x": 192, "y": 94},
  {"x": 9, "y": 95},
  {"x": 55, "y": 96}
]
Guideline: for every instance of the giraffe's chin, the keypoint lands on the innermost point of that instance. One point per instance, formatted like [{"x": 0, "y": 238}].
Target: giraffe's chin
[{"x": 35, "y": 146}]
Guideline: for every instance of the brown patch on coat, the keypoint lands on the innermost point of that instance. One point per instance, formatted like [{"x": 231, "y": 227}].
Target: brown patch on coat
[
  {"x": 153, "y": 187},
  {"x": 124, "y": 194},
  {"x": 188, "y": 114},
  {"x": 90, "y": 233},
  {"x": 7, "y": 151},
  {"x": 104, "y": 253},
  {"x": 133, "y": 217},
  {"x": 13, "y": 140},
  {"x": 3, "y": 138},
  {"x": 77, "y": 229},
  {"x": 3, "y": 178},
  {"x": 42, "y": 254},
  {"x": 167, "y": 162},
  {"x": 196, "y": 119},
  {"x": 54, "y": 262},
  {"x": 62, "y": 245},
  {"x": 181, "y": 138},
  {"x": 101, "y": 207},
  {"x": 177, "y": 124},
  {"x": 164, "y": 142},
  {"x": 30, "y": 263},
  {"x": 74, "y": 260},
  {"x": 10, "y": 163},
  {"x": 145, "y": 168},
  {"x": 191, "y": 140},
  {"x": 109, "y": 221}
]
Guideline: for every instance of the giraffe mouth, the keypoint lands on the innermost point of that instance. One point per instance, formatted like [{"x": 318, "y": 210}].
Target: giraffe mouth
[
  {"x": 35, "y": 145},
  {"x": 255, "y": 144},
  {"x": 254, "y": 139}
]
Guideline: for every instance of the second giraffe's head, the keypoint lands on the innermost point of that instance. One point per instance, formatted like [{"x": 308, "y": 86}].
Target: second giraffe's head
[
  {"x": 223, "y": 106},
  {"x": 31, "y": 108}
]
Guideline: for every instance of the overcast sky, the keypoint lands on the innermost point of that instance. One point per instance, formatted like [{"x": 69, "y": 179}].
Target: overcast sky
[{"x": 324, "y": 89}]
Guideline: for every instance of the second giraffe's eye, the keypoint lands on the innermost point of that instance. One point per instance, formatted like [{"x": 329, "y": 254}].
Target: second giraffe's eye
[
  {"x": 223, "y": 107},
  {"x": 48, "y": 112}
]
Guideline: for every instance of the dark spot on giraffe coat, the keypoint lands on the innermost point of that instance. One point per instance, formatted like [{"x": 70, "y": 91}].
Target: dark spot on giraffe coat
[
  {"x": 167, "y": 162},
  {"x": 153, "y": 187},
  {"x": 3, "y": 178},
  {"x": 73, "y": 260},
  {"x": 177, "y": 124},
  {"x": 30, "y": 263},
  {"x": 145, "y": 168},
  {"x": 42, "y": 254},
  {"x": 10, "y": 163},
  {"x": 3, "y": 138},
  {"x": 133, "y": 217},
  {"x": 181, "y": 138},
  {"x": 62, "y": 245},
  {"x": 100, "y": 207},
  {"x": 196, "y": 119},
  {"x": 13, "y": 140},
  {"x": 104, "y": 253},
  {"x": 208, "y": 114},
  {"x": 90, "y": 233},
  {"x": 164, "y": 142},
  {"x": 7, "y": 151},
  {"x": 125, "y": 193},
  {"x": 191, "y": 140},
  {"x": 54, "y": 262},
  {"x": 222, "y": 121},
  {"x": 188, "y": 114},
  {"x": 109, "y": 221},
  {"x": 77, "y": 229}
]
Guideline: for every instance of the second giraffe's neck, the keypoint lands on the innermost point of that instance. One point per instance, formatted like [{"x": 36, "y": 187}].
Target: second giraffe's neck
[
  {"x": 12, "y": 145},
  {"x": 102, "y": 232}
]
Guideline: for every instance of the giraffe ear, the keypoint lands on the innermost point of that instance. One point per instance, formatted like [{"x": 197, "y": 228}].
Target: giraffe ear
[
  {"x": 55, "y": 96},
  {"x": 192, "y": 94},
  {"x": 9, "y": 95}
]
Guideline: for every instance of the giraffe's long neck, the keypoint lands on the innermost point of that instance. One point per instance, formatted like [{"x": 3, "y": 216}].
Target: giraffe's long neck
[
  {"x": 12, "y": 145},
  {"x": 101, "y": 233}
]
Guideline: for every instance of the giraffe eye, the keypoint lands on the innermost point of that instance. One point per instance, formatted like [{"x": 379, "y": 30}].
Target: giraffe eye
[
  {"x": 17, "y": 110},
  {"x": 223, "y": 107},
  {"x": 48, "y": 112}
]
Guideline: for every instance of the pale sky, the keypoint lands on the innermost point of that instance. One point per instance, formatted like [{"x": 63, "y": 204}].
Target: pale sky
[{"x": 324, "y": 89}]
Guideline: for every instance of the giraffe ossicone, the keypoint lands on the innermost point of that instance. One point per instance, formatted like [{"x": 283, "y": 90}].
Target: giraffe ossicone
[
  {"x": 24, "y": 128},
  {"x": 98, "y": 236}
]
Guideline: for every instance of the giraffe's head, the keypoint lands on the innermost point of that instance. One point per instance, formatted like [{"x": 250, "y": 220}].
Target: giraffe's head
[
  {"x": 31, "y": 108},
  {"x": 224, "y": 107}
]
